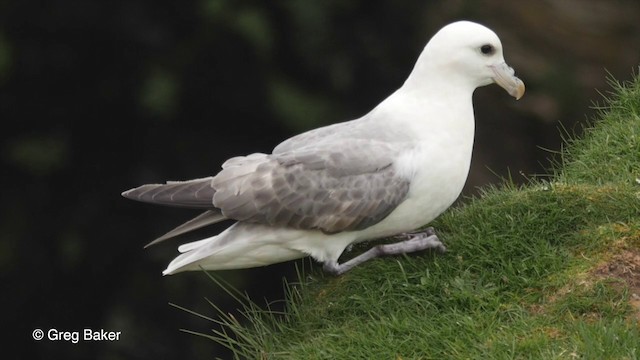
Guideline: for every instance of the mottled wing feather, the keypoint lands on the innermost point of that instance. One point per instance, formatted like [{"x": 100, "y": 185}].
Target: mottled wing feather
[{"x": 333, "y": 188}]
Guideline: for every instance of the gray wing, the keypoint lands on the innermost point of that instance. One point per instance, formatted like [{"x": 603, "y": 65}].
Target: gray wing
[
  {"x": 339, "y": 187},
  {"x": 196, "y": 194},
  {"x": 206, "y": 218},
  {"x": 335, "y": 187}
]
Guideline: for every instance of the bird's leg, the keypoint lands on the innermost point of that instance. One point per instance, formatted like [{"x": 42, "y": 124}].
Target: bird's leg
[{"x": 417, "y": 241}]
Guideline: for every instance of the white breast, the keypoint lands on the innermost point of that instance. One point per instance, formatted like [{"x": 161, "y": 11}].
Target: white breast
[{"x": 437, "y": 165}]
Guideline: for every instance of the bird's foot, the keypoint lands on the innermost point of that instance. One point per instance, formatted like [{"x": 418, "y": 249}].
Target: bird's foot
[{"x": 416, "y": 241}]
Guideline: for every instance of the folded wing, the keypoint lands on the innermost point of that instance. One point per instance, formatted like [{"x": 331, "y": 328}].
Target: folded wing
[{"x": 337, "y": 187}]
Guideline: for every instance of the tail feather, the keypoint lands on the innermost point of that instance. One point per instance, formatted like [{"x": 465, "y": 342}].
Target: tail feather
[
  {"x": 239, "y": 246},
  {"x": 194, "y": 252},
  {"x": 185, "y": 248}
]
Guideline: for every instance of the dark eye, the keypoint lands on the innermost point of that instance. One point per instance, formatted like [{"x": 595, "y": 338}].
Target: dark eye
[{"x": 487, "y": 49}]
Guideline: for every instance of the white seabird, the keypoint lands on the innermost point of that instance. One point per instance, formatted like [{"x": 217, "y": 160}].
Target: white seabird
[{"x": 387, "y": 173}]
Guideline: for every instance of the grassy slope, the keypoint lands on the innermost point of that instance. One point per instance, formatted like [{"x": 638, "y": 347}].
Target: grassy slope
[{"x": 549, "y": 270}]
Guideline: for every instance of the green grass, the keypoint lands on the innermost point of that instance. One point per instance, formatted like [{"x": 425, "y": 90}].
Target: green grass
[{"x": 548, "y": 270}]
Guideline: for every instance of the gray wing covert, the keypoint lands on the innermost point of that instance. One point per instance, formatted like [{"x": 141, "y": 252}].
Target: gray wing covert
[{"x": 332, "y": 188}]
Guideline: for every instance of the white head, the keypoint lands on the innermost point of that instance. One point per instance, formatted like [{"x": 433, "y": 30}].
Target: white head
[{"x": 466, "y": 54}]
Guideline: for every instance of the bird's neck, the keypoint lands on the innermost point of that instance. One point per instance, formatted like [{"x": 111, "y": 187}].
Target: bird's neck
[
  {"x": 430, "y": 85},
  {"x": 426, "y": 114}
]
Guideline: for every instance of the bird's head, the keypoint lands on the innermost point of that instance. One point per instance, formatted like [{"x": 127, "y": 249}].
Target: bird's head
[{"x": 469, "y": 54}]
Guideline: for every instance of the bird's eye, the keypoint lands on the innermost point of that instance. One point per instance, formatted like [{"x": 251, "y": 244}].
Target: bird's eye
[{"x": 487, "y": 49}]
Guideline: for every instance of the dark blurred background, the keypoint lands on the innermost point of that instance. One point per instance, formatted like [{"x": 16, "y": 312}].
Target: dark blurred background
[{"x": 97, "y": 97}]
